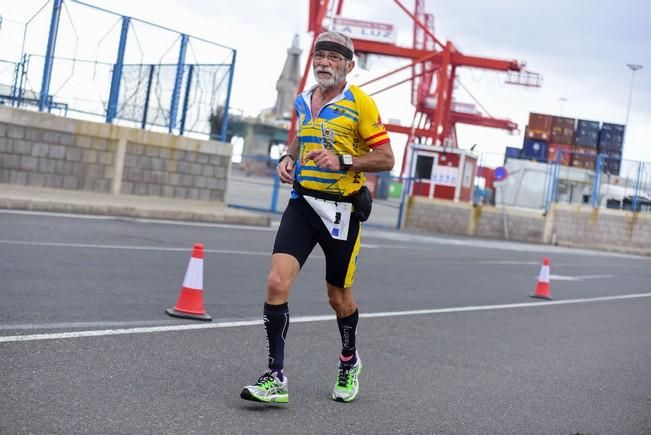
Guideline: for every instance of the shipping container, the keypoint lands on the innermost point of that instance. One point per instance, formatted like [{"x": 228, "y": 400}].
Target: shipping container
[
  {"x": 512, "y": 153},
  {"x": 610, "y": 149},
  {"x": 587, "y": 133},
  {"x": 584, "y": 157},
  {"x": 611, "y": 137},
  {"x": 539, "y": 127},
  {"x": 612, "y": 164},
  {"x": 565, "y": 153},
  {"x": 534, "y": 149},
  {"x": 538, "y": 135},
  {"x": 562, "y": 130}
]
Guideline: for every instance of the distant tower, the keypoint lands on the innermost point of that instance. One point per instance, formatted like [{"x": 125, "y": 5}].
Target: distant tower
[{"x": 287, "y": 84}]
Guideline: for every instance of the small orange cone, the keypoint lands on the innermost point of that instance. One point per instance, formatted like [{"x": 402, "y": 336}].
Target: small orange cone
[
  {"x": 542, "y": 290},
  {"x": 190, "y": 303}
]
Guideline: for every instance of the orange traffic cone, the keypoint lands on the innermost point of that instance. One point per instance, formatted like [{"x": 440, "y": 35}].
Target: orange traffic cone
[
  {"x": 190, "y": 303},
  {"x": 542, "y": 290}
]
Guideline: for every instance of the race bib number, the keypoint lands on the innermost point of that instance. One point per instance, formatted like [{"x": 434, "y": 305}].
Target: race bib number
[{"x": 335, "y": 215}]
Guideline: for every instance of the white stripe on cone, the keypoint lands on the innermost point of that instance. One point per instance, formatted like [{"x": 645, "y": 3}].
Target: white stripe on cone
[
  {"x": 544, "y": 274},
  {"x": 194, "y": 274}
]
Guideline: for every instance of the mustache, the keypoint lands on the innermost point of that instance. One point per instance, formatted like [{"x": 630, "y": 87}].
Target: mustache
[{"x": 325, "y": 69}]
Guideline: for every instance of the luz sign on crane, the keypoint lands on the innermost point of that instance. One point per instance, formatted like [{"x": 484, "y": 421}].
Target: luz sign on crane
[{"x": 366, "y": 30}]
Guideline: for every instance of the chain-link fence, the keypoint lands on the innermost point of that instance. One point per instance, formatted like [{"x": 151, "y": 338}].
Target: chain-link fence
[{"x": 69, "y": 57}]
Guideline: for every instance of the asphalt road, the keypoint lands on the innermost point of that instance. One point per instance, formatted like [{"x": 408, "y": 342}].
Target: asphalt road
[{"x": 450, "y": 340}]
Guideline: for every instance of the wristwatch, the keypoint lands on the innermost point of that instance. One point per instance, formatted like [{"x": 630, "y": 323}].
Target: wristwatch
[{"x": 345, "y": 161}]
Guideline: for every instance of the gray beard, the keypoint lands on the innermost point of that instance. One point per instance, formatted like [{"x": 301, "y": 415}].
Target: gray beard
[{"x": 326, "y": 84}]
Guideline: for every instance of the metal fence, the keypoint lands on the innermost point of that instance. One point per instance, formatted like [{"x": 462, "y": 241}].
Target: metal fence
[
  {"x": 615, "y": 183},
  {"x": 69, "y": 57},
  {"x": 254, "y": 185},
  {"x": 595, "y": 180}
]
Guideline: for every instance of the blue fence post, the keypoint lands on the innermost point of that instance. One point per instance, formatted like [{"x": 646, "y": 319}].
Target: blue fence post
[
  {"x": 180, "y": 67},
  {"x": 228, "y": 99},
  {"x": 114, "y": 94},
  {"x": 49, "y": 55},
  {"x": 597, "y": 181},
  {"x": 638, "y": 179},
  {"x": 274, "y": 193},
  {"x": 553, "y": 181},
  {"x": 548, "y": 170},
  {"x": 555, "y": 176},
  {"x": 406, "y": 186},
  {"x": 186, "y": 100},
  {"x": 145, "y": 109}
]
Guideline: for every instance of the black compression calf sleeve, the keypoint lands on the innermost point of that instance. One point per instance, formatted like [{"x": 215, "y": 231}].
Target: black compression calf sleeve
[
  {"x": 348, "y": 331},
  {"x": 276, "y": 322}
]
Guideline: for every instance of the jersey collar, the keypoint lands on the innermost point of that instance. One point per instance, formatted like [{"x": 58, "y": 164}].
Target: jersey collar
[{"x": 307, "y": 96}]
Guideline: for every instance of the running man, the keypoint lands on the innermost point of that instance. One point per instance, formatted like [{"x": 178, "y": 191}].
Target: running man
[{"x": 340, "y": 137}]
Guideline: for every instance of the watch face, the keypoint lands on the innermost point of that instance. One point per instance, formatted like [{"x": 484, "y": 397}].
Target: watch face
[{"x": 348, "y": 159}]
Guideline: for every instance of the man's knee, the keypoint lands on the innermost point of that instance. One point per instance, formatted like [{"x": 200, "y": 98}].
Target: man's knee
[
  {"x": 342, "y": 302},
  {"x": 277, "y": 286}
]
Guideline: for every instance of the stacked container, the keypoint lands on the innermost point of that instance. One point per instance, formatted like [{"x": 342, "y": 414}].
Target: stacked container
[
  {"x": 586, "y": 138},
  {"x": 512, "y": 153},
  {"x": 534, "y": 149},
  {"x": 562, "y": 130},
  {"x": 561, "y": 140},
  {"x": 611, "y": 141},
  {"x": 540, "y": 127},
  {"x": 571, "y": 142},
  {"x": 587, "y": 133},
  {"x": 565, "y": 153},
  {"x": 536, "y": 137},
  {"x": 584, "y": 157}
]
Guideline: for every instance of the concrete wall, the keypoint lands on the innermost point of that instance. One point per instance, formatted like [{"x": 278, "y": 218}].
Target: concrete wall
[
  {"x": 566, "y": 225},
  {"x": 616, "y": 230},
  {"x": 39, "y": 149}
]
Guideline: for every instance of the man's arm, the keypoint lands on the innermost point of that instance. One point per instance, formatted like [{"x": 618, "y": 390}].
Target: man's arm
[
  {"x": 285, "y": 168},
  {"x": 378, "y": 160},
  {"x": 293, "y": 150}
]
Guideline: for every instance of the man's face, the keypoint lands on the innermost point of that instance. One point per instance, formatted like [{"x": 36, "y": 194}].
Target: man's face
[{"x": 330, "y": 68}]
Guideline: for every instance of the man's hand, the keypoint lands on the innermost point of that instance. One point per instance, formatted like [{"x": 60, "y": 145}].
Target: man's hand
[
  {"x": 323, "y": 159},
  {"x": 285, "y": 170}
]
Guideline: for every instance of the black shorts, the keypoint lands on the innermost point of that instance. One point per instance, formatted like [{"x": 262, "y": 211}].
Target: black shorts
[{"x": 301, "y": 229}]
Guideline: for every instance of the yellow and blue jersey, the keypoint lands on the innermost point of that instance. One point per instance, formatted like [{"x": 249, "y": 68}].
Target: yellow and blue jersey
[{"x": 348, "y": 124}]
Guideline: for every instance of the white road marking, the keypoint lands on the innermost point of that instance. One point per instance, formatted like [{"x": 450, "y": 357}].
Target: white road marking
[
  {"x": 492, "y": 244},
  {"x": 306, "y": 319},
  {"x": 147, "y": 248},
  {"x": 79, "y": 325},
  {"x": 128, "y": 247},
  {"x": 577, "y": 278},
  {"x": 508, "y": 262}
]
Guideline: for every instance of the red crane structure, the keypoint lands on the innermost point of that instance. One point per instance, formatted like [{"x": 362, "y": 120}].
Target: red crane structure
[{"x": 433, "y": 67}]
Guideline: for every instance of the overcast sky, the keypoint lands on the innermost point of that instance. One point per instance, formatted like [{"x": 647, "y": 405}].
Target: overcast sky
[{"x": 581, "y": 48}]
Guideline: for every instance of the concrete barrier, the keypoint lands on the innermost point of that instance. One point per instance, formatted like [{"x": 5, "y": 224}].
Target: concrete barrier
[
  {"x": 44, "y": 150},
  {"x": 565, "y": 224}
]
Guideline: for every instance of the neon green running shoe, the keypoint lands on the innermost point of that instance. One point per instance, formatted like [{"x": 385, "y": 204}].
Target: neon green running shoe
[
  {"x": 268, "y": 389},
  {"x": 347, "y": 385}
]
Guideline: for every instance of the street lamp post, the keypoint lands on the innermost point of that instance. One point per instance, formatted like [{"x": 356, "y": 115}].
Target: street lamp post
[
  {"x": 563, "y": 100},
  {"x": 634, "y": 68}
]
